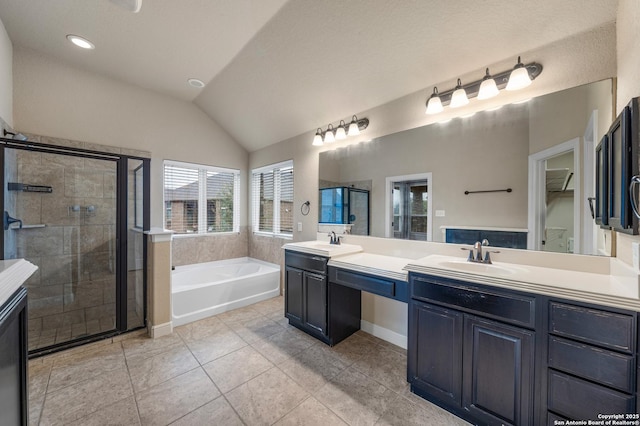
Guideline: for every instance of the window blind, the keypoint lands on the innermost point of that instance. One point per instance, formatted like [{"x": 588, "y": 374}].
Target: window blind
[
  {"x": 272, "y": 200},
  {"x": 201, "y": 199}
]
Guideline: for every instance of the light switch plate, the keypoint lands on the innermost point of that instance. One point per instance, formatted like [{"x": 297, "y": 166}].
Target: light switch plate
[
  {"x": 299, "y": 226},
  {"x": 439, "y": 213}
]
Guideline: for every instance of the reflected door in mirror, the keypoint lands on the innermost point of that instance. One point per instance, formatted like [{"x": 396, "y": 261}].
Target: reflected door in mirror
[{"x": 410, "y": 207}]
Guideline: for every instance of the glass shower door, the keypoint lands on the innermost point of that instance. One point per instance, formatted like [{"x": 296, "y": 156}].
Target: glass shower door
[{"x": 60, "y": 214}]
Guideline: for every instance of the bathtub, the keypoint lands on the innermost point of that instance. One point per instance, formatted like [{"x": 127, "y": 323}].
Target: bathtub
[{"x": 204, "y": 289}]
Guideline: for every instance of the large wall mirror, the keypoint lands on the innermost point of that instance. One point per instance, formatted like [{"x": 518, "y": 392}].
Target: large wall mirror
[{"x": 526, "y": 168}]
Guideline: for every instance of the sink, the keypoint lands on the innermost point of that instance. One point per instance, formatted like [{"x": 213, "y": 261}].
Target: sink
[
  {"x": 323, "y": 248},
  {"x": 480, "y": 268}
]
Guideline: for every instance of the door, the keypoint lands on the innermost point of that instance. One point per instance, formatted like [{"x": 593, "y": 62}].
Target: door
[
  {"x": 359, "y": 211},
  {"x": 498, "y": 365},
  {"x": 315, "y": 302},
  {"x": 76, "y": 215},
  {"x": 410, "y": 210},
  {"x": 293, "y": 294},
  {"x": 435, "y": 365}
]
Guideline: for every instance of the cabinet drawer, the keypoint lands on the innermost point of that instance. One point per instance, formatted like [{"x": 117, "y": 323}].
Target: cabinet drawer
[
  {"x": 362, "y": 282},
  {"x": 510, "y": 307},
  {"x": 600, "y": 365},
  {"x": 308, "y": 262},
  {"x": 579, "y": 399},
  {"x": 604, "y": 328}
]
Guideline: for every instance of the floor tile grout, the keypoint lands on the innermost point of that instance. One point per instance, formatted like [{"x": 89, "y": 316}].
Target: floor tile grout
[{"x": 246, "y": 325}]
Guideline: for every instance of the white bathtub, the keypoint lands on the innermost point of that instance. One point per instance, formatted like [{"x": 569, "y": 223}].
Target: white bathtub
[{"x": 204, "y": 289}]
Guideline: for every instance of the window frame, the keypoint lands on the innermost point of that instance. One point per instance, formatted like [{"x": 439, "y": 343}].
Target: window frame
[
  {"x": 255, "y": 199},
  {"x": 202, "y": 170}
]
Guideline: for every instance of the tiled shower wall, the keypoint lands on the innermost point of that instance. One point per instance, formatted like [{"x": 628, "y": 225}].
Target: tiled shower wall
[{"x": 74, "y": 288}]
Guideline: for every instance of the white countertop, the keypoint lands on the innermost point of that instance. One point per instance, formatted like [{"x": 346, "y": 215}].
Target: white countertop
[
  {"x": 13, "y": 273},
  {"x": 620, "y": 288},
  {"x": 375, "y": 264},
  {"x": 323, "y": 248},
  {"x": 616, "y": 285}
]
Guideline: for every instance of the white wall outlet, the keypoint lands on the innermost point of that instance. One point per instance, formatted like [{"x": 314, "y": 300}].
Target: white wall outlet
[
  {"x": 439, "y": 213},
  {"x": 635, "y": 253},
  {"x": 299, "y": 226}
]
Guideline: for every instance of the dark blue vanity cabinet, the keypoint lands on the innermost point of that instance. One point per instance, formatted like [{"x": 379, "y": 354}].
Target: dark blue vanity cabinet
[
  {"x": 326, "y": 311},
  {"x": 591, "y": 359},
  {"x": 471, "y": 350},
  {"x": 13, "y": 360},
  {"x": 496, "y": 356}
]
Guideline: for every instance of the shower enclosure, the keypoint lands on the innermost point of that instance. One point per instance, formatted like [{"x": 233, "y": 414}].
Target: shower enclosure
[{"x": 79, "y": 215}]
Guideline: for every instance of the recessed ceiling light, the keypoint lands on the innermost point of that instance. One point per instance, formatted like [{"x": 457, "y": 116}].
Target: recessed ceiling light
[
  {"x": 80, "y": 41},
  {"x": 196, "y": 83}
]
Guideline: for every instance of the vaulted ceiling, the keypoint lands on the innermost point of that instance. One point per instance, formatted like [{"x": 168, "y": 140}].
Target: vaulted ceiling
[{"x": 274, "y": 69}]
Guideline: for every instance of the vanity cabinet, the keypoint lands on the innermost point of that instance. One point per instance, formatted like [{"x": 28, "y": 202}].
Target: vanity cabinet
[
  {"x": 592, "y": 361},
  {"x": 471, "y": 350},
  {"x": 306, "y": 292},
  {"x": 497, "y": 356},
  {"x": 13, "y": 359},
  {"x": 327, "y": 311}
]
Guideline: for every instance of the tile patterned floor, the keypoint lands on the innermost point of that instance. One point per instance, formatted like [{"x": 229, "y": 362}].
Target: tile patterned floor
[{"x": 244, "y": 367}]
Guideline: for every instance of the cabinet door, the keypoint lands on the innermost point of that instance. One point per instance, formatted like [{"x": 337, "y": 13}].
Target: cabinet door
[
  {"x": 293, "y": 294},
  {"x": 315, "y": 302},
  {"x": 435, "y": 360},
  {"x": 498, "y": 372}
]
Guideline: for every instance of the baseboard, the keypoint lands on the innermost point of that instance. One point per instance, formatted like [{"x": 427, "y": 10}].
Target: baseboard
[
  {"x": 384, "y": 333},
  {"x": 156, "y": 331}
]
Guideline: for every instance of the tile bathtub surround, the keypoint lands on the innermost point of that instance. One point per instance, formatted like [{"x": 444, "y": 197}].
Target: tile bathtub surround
[
  {"x": 186, "y": 250},
  {"x": 246, "y": 366}
]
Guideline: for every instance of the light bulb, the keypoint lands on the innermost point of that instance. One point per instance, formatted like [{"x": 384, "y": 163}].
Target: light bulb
[
  {"x": 317, "y": 139},
  {"x": 434, "y": 104},
  {"x": 459, "y": 97},
  {"x": 488, "y": 88},
  {"x": 340, "y": 132},
  {"x": 353, "y": 127},
  {"x": 519, "y": 77},
  {"x": 328, "y": 136}
]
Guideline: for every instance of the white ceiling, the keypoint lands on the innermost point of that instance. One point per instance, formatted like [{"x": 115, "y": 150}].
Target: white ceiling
[{"x": 276, "y": 68}]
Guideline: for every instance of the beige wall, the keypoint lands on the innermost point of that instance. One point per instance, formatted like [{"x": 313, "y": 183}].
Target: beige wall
[
  {"x": 51, "y": 98},
  {"x": 6, "y": 77},
  {"x": 628, "y": 51}
]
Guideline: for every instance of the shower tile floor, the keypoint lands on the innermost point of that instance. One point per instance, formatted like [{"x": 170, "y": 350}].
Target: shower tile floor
[{"x": 243, "y": 367}]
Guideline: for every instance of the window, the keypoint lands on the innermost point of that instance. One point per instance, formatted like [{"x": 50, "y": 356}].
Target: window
[
  {"x": 272, "y": 199},
  {"x": 201, "y": 199}
]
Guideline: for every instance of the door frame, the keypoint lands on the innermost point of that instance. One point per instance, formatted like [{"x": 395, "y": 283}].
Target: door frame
[
  {"x": 537, "y": 193},
  {"x": 590, "y": 229},
  {"x": 388, "y": 201}
]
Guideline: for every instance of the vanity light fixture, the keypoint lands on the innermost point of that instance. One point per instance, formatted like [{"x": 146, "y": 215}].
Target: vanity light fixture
[
  {"x": 328, "y": 135},
  {"x": 434, "y": 104},
  {"x": 488, "y": 88},
  {"x": 459, "y": 97},
  {"x": 80, "y": 42},
  {"x": 484, "y": 88},
  {"x": 519, "y": 77},
  {"x": 341, "y": 132}
]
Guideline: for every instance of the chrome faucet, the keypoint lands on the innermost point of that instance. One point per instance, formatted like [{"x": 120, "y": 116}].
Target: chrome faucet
[
  {"x": 477, "y": 247},
  {"x": 333, "y": 238}
]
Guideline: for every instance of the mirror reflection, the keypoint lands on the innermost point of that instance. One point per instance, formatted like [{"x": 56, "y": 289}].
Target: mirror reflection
[{"x": 519, "y": 176}]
